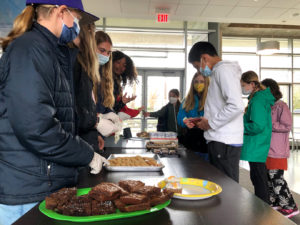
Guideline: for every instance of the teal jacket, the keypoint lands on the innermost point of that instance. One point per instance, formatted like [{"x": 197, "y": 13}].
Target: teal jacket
[{"x": 258, "y": 127}]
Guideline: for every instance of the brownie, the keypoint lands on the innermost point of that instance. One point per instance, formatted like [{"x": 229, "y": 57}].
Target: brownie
[
  {"x": 60, "y": 198},
  {"x": 119, "y": 204},
  {"x": 77, "y": 209},
  {"x": 159, "y": 199},
  {"x": 51, "y": 203},
  {"x": 133, "y": 199},
  {"x": 105, "y": 192},
  {"x": 102, "y": 208},
  {"x": 138, "y": 207},
  {"x": 129, "y": 185},
  {"x": 148, "y": 190}
]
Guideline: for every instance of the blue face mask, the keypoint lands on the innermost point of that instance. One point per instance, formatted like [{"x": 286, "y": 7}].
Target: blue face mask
[
  {"x": 68, "y": 34},
  {"x": 103, "y": 59},
  {"x": 206, "y": 71}
]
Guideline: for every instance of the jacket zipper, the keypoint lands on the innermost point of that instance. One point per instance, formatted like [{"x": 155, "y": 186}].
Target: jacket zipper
[{"x": 48, "y": 174}]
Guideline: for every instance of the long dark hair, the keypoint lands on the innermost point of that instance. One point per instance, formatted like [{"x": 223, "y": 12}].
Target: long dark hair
[
  {"x": 130, "y": 73},
  {"x": 274, "y": 88}
]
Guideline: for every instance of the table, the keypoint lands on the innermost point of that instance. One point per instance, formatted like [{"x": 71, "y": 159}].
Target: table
[{"x": 234, "y": 206}]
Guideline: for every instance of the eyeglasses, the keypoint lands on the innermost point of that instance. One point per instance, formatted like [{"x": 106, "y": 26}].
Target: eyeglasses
[{"x": 103, "y": 50}]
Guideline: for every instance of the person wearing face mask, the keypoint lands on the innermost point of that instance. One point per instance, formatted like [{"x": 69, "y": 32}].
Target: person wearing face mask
[
  {"x": 223, "y": 119},
  {"x": 40, "y": 152},
  {"x": 124, "y": 72},
  {"x": 191, "y": 109},
  {"x": 257, "y": 131},
  {"x": 167, "y": 120}
]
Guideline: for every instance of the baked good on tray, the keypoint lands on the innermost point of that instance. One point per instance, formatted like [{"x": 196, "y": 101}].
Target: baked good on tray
[{"x": 105, "y": 198}]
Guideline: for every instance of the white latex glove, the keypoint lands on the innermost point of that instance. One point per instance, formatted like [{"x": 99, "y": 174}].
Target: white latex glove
[
  {"x": 124, "y": 116},
  {"x": 111, "y": 116},
  {"x": 105, "y": 127},
  {"x": 96, "y": 163}
]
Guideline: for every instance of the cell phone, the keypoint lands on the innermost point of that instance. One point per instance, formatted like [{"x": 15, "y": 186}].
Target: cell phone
[{"x": 195, "y": 120}]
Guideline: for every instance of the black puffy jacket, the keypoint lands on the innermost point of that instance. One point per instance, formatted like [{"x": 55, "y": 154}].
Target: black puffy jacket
[{"x": 39, "y": 152}]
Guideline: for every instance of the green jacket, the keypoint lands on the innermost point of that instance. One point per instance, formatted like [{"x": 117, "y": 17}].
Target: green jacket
[{"x": 258, "y": 127}]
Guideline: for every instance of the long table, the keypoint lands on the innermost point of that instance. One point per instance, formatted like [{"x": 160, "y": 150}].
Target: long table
[{"x": 234, "y": 206}]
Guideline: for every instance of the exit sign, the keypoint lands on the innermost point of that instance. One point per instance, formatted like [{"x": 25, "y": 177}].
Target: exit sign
[{"x": 162, "y": 17}]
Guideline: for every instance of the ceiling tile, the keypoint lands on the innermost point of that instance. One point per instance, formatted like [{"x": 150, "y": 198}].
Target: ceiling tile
[
  {"x": 172, "y": 7},
  {"x": 135, "y": 6},
  {"x": 189, "y": 10},
  {"x": 223, "y": 2},
  {"x": 269, "y": 13},
  {"x": 282, "y": 3},
  {"x": 253, "y": 3},
  {"x": 200, "y": 2},
  {"x": 291, "y": 14},
  {"x": 243, "y": 12},
  {"x": 96, "y": 7},
  {"x": 216, "y": 11}
]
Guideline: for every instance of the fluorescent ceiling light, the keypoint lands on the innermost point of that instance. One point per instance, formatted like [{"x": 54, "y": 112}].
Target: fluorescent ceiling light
[{"x": 268, "y": 47}]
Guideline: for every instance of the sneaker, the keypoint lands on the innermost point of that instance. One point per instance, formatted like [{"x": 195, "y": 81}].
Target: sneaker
[
  {"x": 289, "y": 212},
  {"x": 276, "y": 207}
]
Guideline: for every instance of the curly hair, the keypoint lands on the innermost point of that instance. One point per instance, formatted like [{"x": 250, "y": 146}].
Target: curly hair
[
  {"x": 107, "y": 83},
  {"x": 130, "y": 73}
]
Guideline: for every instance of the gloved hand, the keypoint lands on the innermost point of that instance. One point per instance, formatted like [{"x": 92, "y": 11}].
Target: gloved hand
[
  {"x": 111, "y": 116},
  {"x": 104, "y": 126},
  {"x": 97, "y": 162}
]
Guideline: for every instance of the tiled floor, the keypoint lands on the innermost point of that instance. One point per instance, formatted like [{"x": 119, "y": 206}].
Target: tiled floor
[{"x": 292, "y": 175}]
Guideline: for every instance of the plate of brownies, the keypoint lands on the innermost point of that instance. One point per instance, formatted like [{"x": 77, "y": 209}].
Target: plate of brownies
[
  {"x": 189, "y": 188},
  {"x": 105, "y": 201}
]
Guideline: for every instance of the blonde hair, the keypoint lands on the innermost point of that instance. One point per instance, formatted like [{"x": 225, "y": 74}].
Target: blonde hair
[
  {"x": 87, "y": 55},
  {"x": 107, "y": 83},
  {"x": 251, "y": 76},
  {"x": 24, "y": 21},
  {"x": 189, "y": 102}
]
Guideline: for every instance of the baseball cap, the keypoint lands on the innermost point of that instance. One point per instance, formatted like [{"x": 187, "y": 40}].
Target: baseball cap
[{"x": 75, "y": 4}]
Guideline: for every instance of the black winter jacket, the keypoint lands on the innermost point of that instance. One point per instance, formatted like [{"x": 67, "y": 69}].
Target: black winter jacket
[
  {"x": 39, "y": 152},
  {"x": 85, "y": 106}
]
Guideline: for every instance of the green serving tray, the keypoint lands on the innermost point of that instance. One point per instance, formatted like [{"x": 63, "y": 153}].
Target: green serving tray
[{"x": 118, "y": 215}]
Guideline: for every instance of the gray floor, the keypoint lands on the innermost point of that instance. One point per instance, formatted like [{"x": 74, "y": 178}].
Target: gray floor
[{"x": 292, "y": 175}]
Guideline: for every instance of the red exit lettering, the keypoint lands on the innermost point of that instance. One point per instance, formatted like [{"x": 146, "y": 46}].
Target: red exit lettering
[{"x": 162, "y": 18}]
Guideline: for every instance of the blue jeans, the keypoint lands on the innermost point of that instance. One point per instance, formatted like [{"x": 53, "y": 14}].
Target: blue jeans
[{"x": 10, "y": 213}]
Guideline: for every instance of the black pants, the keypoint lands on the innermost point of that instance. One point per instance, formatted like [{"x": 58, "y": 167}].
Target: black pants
[
  {"x": 194, "y": 140},
  {"x": 280, "y": 194},
  {"x": 225, "y": 157},
  {"x": 259, "y": 178}
]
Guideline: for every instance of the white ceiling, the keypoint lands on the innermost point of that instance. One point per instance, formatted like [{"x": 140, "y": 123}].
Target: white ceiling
[{"x": 225, "y": 11}]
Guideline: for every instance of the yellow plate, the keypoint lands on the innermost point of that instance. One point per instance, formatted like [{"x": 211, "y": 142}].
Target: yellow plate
[{"x": 195, "y": 189}]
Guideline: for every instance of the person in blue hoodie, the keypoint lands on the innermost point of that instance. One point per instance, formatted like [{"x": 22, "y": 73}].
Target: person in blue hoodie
[{"x": 191, "y": 109}]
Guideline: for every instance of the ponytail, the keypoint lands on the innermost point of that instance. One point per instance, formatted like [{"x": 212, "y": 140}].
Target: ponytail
[{"x": 22, "y": 23}]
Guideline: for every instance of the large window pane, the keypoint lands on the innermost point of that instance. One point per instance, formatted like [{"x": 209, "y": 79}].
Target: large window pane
[
  {"x": 280, "y": 75},
  {"x": 147, "y": 39},
  {"x": 296, "y": 99},
  {"x": 247, "y": 62},
  {"x": 134, "y": 124},
  {"x": 158, "y": 91},
  {"x": 296, "y": 121},
  {"x": 151, "y": 125},
  {"x": 285, "y": 94},
  {"x": 239, "y": 45},
  {"x": 278, "y": 61},
  {"x": 296, "y": 45},
  {"x": 297, "y": 75}
]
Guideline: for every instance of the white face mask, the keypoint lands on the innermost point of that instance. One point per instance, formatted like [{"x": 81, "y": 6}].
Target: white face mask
[
  {"x": 246, "y": 92},
  {"x": 172, "y": 100}
]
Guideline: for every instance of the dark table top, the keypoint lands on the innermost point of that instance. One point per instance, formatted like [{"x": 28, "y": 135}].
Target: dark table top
[{"x": 234, "y": 206}]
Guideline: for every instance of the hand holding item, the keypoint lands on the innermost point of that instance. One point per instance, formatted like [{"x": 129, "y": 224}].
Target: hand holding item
[
  {"x": 96, "y": 163},
  {"x": 188, "y": 123},
  {"x": 203, "y": 124},
  {"x": 100, "y": 142},
  {"x": 146, "y": 114},
  {"x": 111, "y": 116},
  {"x": 104, "y": 126}
]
